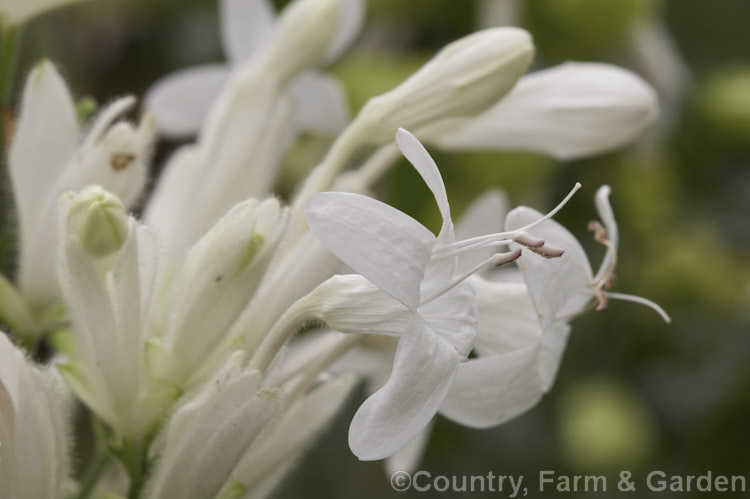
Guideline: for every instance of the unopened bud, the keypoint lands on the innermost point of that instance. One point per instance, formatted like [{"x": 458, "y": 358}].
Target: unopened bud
[
  {"x": 302, "y": 36},
  {"x": 99, "y": 220},
  {"x": 463, "y": 79}
]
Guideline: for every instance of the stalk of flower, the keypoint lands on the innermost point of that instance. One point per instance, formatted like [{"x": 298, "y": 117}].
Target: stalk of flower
[
  {"x": 34, "y": 458},
  {"x": 112, "y": 154},
  {"x": 246, "y": 131}
]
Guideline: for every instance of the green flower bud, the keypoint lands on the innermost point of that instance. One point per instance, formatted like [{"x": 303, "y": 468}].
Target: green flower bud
[{"x": 99, "y": 220}]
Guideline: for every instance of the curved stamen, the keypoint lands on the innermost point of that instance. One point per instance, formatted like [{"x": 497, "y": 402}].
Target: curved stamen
[{"x": 643, "y": 301}]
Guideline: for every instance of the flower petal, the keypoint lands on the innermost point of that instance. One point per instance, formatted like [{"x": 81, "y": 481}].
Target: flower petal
[
  {"x": 180, "y": 101},
  {"x": 409, "y": 457},
  {"x": 569, "y": 111},
  {"x": 47, "y": 117},
  {"x": 388, "y": 247},
  {"x": 558, "y": 287},
  {"x": 320, "y": 103},
  {"x": 352, "y": 16},
  {"x": 394, "y": 415},
  {"x": 245, "y": 26},
  {"x": 489, "y": 391},
  {"x": 453, "y": 317}
]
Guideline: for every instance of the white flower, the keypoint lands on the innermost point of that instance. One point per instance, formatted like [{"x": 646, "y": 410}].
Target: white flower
[
  {"x": 49, "y": 156},
  {"x": 405, "y": 260},
  {"x": 210, "y": 432},
  {"x": 181, "y": 101},
  {"x": 523, "y": 325},
  {"x": 109, "y": 294},
  {"x": 568, "y": 111},
  {"x": 17, "y": 12},
  {"x": 33, "y": 429}
]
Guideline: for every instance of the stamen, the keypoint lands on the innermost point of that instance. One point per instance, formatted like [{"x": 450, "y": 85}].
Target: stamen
[
  {"x": 496, "y": 260},
  {"x": 548, "y": 251},
  {"x": 643, "y": 301},
  {"x": 528, "y": 241},
  {"x": 501, "y": 238}
]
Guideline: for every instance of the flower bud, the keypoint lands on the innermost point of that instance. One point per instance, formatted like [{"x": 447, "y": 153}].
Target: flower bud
[
  {"x": 99, "y": 220},
  {"x": 463, "y": 79},
  {"x": 302, "y": 37}
]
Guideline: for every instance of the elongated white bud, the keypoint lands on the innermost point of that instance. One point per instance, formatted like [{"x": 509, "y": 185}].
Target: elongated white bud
[{"x": 463, "y": 79}]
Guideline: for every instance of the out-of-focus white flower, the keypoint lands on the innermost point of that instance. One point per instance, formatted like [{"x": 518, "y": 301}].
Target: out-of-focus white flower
[
  {"x": 17, "y": 12},
  {"x": 49, "y": 156},
  {"x": 210, "y": 432},
  {"x": 33, "y": 429},
  {"x": 569, "y": 111},
  {"x": 181, "y": 101},
  {"x": 214, "y": 285}
]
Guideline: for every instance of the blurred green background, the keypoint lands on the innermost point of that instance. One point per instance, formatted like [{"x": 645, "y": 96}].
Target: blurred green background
[{"x": 632, "y": 393}]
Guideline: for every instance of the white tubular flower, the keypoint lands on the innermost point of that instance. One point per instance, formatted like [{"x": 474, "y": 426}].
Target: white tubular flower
[
  {"x": 219, "y": 277},
  {"x": 405, "y": 260},
  {"x": 33, "y": 429},
  {"x": 48, "y": 157},
  {"x": 107, "y": 264},
  {"x": 181, "y": 101},
  {"x": 207, "y": 435},
  {"x": 282, "y": 444},
  {"x": 568, "y": 111},
  {"x": 463, "y": 79},
  {"x": 18, "y": 12},
  {"x": 523, "y": 326}
]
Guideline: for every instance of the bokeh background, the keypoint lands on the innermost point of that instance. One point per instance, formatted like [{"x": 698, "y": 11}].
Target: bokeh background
[{"x": 632, "y": 393}]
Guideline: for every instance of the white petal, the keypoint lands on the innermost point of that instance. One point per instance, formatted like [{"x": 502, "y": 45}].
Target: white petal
[
  {"x": 559, "y": 287},
  {"x": 352, "y": 16},
  {"x": 568, "y": 111},
  {"x": 489, "y": 391},
  {"x": 453, "y": 317},
  {"x": 394, "y": 415},
  {"x": 507, "y": 320},
  {"x": 37, "y": 449},
  {"x": 180, "y": 101},
  {"x": 439, "y": 273},
  {"x": 245, "y": 26},
  {"x": 409, "y": 458},
  {"x": 305, "y": 420},
  {"x": 485, "y": 215},
  {"x": 209, "y": 434},
  {"x": 320, "y": 103},
  {"x": 607, "y": 216},
  {"x": 386, "y": 246},
  {"x": 45, "y": 140},
  {"x": 418, "y": 156}
]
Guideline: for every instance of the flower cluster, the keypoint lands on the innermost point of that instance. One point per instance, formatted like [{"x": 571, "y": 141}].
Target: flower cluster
[{"x": 214, "y": 339}]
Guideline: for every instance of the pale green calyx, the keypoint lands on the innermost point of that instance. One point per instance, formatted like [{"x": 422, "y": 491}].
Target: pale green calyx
[
  {"x": 99, "y": 220},
  {"x": 465, "y": 78}
]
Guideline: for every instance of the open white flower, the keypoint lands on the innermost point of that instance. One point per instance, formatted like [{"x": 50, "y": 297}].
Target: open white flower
[
  {"x": 49, "y": 155},
  {"x": 33, "y": 431},
  {"x": 181, "y": 101},
  {"x": 405, "y": 260}
]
